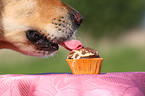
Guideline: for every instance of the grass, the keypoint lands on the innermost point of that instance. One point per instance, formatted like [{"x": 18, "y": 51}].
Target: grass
[{"x": 124, "y": 60}]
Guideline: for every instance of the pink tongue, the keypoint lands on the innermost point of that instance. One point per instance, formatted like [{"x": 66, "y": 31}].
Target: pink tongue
[{"x": 72, "y": 44}]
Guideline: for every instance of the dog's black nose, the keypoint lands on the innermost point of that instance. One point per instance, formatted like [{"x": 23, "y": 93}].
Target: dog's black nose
[{"x": 77, "y": 17}]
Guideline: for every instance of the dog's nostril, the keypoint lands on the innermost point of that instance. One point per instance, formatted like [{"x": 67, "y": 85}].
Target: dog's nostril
[{"x": 78, "y": 17}]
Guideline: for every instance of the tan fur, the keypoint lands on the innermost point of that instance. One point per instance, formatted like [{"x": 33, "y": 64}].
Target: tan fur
[
  {"x": 17, "y": 16},
  {"x": 1, "y": 9}
]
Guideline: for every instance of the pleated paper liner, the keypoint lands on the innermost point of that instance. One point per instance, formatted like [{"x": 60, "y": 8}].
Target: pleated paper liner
[{"x": 85, "y": 66}]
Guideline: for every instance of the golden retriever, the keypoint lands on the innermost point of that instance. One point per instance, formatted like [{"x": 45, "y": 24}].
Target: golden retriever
[{"x": 36, "y": 27}]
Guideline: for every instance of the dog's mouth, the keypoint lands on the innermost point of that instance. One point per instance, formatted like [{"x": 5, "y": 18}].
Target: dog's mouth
[{"x": 41, "y": 43}]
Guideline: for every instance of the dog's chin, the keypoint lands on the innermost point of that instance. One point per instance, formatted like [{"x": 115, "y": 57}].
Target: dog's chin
[
  {"x": 35, "y": 53},
  {"x": 32, "y": 51},
  {"x": 43, "y": 54}
]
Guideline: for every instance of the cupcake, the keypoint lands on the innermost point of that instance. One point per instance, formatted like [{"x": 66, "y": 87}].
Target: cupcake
[{"x": 84, "y": 61}]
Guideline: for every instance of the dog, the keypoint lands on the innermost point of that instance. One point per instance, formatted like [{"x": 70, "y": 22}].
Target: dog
[{"x": 36, "y": 27}]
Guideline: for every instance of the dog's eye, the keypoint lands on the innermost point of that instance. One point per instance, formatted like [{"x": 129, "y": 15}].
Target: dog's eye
[{"x": 33, "y": 35}]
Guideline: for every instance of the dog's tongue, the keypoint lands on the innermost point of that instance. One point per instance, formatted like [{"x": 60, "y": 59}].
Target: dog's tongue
[{"x": 72, "y": 44}]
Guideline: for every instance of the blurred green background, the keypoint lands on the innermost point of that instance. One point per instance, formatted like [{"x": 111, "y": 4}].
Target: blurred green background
[{"x": 115, "y": 28}]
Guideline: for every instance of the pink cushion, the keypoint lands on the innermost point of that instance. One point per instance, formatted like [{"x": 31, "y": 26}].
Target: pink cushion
[{"x": 109, "y": 84}]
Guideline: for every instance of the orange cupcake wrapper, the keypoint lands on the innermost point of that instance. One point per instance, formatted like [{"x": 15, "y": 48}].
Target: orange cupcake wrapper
[{"x": 85, "y": 66}]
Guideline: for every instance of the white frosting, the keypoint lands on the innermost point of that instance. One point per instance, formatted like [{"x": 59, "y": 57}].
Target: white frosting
[{"x": 80, "y": 54}]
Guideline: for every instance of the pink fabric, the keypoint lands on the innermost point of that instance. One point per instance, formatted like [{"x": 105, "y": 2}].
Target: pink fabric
[
  {"x": 110, "y": 84},
  {"x": 72, "y": 44}
]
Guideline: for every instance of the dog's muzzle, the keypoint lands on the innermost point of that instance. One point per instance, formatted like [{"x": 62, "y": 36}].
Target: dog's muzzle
[{"x": 49, "y": 44}]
